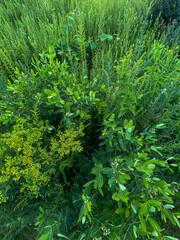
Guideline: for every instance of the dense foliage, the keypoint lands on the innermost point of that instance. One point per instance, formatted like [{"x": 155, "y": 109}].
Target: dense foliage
[{"x": 90, "y": 125}]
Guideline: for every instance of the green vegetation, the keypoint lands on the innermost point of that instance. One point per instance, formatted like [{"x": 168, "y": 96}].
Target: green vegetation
[{"x": 89, "y": 119}]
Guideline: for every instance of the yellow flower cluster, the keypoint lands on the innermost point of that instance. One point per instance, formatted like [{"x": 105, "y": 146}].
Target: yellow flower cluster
[{"x": 25, "y": 159}]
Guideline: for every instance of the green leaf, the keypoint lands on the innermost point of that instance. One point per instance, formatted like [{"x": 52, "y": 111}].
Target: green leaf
[
  {"x": 155, "y": 234},
  {"x": 151, "y": 166},
  {"x": 155, "y": 149},
  {"x": 116, "y": 196},
  {"x": 152, "y": 209},
  {"x": 107, "y": 170},
  {"x": 95, "y": 184},
  {"x": 82, "y": 236},
  {"x": 41, "y": 209},
  {"x": 120, "y": 210},
  {"x": 122, "y": 187},
  {"x": 111, "y": 117},
  {"x": 88, "y": 183},
  {"x": 84, "y": 197},
  {"x": 127, "y": 213},
  {"x": 177, "y": 221},
  {"x": 144, "y": 209},
  {"x": 170, "y": 238},
  {"x": 45, "y": 236},
  {"x": 154, "y": 224},
  {"x": 143, "y": 224},
  {"x": 173, "y": 165},
  {"x": 160, "y": 126},
  {"x": 89, "y": 206},
  {"x": 123, "y": 147},
  {"x": 61, "y": 235},
  {"x": 83, "y": 219},
  {"x": 94, "y": 170},
  {"x": 170, "y": 216},
  {"x": 169, "y": 206},
  {"x": 154, "y": 203},
  {"x": 100, "y": 190},
  {"x": 100, "y": 180},
  {"x": 128, "y": 135},
  {"x": 133, "y": 208},
  {"x": 135, "y": 231},
  {"x": 103, "y": 37},
  {"x": 112, "y": 181}
]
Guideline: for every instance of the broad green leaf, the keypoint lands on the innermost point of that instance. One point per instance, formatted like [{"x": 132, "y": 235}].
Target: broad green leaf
[
  {"x": 154, "y": 203},
  {"x": 121, "y": 179},
  {"x": 116, "y": 196},
  {"x": 152, "y": 209},
  {"x": 169, "y": 206},
  {"x": 146, "y": 184},
  {"x": 94, "y": 171},
  {"x": 144, "y": 169},
  {"x": 62, "y": 236},
  {"x": 128, "y": 135},
  {"x": 173, "y": 165},
  {"x": 144, "y": 209},
  {"x": 103, "y": 37},
  {"x": 100, "y": 180},
  {"x": 155, "y": 234},
  {"x": 124, "y": 198},
  {"x": 112, "y": 181},
  {"x": 122, "y": 187},
  {"x": 160, "y": 126},
  {"x": 120, "y": 210},
  {"x": 84, "y": 197},
  {"x": 151, "y": 166},
  {"x": 45, "y": 236},
  {"x": 89, "y": 206},
  {"x": 95, "y": 184},
  {"x": 41, "y": 209},
  {"x": 83, "y": 219},
  {"x": 107, "y": 170}
]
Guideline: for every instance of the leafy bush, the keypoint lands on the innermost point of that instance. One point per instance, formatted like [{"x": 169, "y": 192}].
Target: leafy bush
[
  {"x": 64, "y": 100},
  {"x": 28, "y": 161},
  {"x": 89, "y": 134}
]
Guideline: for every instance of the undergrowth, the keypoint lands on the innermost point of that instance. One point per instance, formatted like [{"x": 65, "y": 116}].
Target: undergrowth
[{"x": 89, "y": 121}]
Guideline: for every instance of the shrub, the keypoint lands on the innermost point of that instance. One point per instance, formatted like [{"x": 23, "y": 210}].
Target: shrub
[
  {"x": 28, "y": 161},
  {"x": 92, "y": 103}
]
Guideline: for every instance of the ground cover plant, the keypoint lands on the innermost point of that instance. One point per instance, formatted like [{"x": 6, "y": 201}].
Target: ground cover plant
[{"x": 90, "y": 125}]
